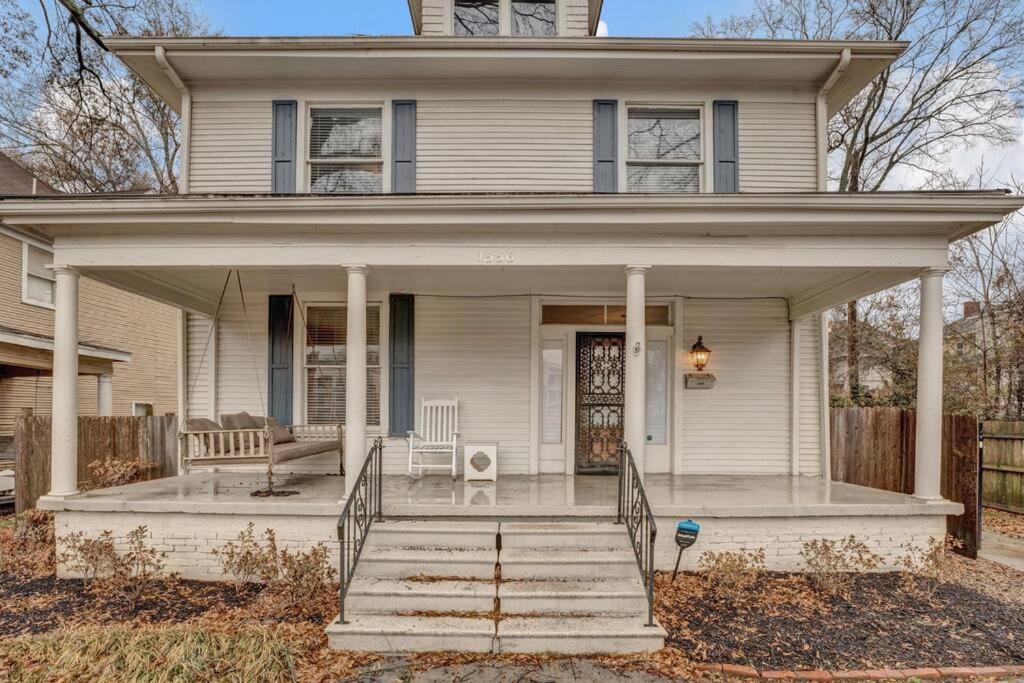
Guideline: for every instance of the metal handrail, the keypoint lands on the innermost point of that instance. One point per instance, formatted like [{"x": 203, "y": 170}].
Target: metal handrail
[
  {"x": 361, "y": 510},
  {"x": 635, "y": 512}
]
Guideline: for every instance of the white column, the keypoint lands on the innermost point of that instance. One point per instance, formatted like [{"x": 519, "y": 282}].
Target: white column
[
  {"x": 105, "y": 388},
  {"x": 636, "y": 363},
  {"x": 355, "y": 376},
  {"x": 64, "y": 432},
  {"x": 928, "y": 463}
]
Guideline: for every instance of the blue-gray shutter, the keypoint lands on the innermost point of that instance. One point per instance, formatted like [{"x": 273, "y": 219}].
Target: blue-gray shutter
[
  {"x": 401, "y": 417},
  {"x": 279, "y": 381},
  {"x": 606, "y": 144},
  {"x": 403, "y": 163},
  {"x": 727, "y": 153},
  {"x": 283, "y": 146}
]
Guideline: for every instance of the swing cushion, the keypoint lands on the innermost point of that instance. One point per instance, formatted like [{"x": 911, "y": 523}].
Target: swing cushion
[
  {"x": 280, "y": 434},
  {"x": 241, "y": 420},
  {"x": 301, "y": 449},
  {"x": 203, "y": 424}
]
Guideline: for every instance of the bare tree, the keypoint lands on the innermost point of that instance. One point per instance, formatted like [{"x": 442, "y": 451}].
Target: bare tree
[{"x": 77, "y": 116}]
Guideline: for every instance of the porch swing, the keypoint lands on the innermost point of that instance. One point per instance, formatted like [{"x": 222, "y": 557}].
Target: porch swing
[{"x": 241, "y": 438}]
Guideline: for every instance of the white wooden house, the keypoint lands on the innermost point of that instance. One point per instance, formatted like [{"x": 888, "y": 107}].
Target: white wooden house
[{"x": 509, "y": 211}]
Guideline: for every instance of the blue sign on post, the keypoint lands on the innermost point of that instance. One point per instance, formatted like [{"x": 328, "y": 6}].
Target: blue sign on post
[{"x": 686, "y": 535}]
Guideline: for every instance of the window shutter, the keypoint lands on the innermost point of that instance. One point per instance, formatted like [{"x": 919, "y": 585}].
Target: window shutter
[
  {"x": 726, "y": 125},
  {"x": 283, "y": 146},
  {"x": 403, "y": 164},
  {"x": 606, "y": 174},
  {"x": 402, "y": 413},
  {"x": 279, "y": 382}
]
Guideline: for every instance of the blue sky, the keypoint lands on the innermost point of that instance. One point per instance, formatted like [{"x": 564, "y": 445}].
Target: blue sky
[{"x": 391, "y": 17}]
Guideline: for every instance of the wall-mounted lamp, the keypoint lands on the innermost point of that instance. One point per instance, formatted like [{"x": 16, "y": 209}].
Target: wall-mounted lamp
[{"x": 699, "y": 354}]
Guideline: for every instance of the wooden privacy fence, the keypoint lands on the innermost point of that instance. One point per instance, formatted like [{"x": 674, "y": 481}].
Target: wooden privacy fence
[
  {"x": 154, "y": 439},
  {"x": 875, "y": 447},
  {"x": 1002, "y": 465}
]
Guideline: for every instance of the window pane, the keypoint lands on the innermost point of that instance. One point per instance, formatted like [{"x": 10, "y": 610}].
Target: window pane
[
  {"x": 327, "y": 328},
  {"x": 534, "y": 18},
  {"x": 40, "y": 290},
  {"x": 326, "y": 332},
  {"x": 346, "y": 178},
  {"x": 325, "y": 395},
  {"x": 663, "y": 178},
  {"x": 654, "y": 315},
  {"x": 345, "y": 133},
  {"x": 664, "y": 134},
  {"x": 38, "y": 259},
  {"x": 657, "y": 392},
  {"x": 572, "y": 315},
  {"x": 476, "y": 18},
  {"x": 551, "y": 393}
]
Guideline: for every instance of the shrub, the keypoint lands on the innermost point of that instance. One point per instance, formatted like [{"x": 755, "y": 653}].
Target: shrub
[
  {"x": 27, "y": 547},
  {"x": 924, "y": 568},
  {"x": 243, "y": 560},
  {"x": 833, "y": 564},
  {"x": 113, "y": 471},
  {"x": 104, "y": 569},
  {"x": 730, "y": 572}
]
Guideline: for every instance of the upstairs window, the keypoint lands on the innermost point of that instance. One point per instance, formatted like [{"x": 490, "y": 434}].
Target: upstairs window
[
  {"x": 345, "y": 151},
  {"x": 665, "y": 150},
  {"x": 39, "y": 284},
  {"x": 534, "y": 19},
  {"x": 476, "y": 17}
]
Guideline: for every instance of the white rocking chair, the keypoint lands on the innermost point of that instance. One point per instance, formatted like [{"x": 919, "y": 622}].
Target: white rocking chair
[{"x": 439, "y": 422}]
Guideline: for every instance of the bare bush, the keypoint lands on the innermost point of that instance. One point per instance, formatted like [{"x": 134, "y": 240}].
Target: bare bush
[
  {"x": 834, "y": 564},
  {"x": 113, "y": 471},
  {"x": 730, "y": 572},
  {"x": 105, "y": 570},
  {"x": 924, "y": 568},
  {"x": 27, "y": 548}
]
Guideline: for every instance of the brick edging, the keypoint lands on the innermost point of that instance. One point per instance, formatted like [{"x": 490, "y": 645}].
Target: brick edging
[{"x": 924, "y": 673}]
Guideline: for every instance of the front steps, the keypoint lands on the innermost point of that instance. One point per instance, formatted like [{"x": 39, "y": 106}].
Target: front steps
[{"x": 429, "y": 585}]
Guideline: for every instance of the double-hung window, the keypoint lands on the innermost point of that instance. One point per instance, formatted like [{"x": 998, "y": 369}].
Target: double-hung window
[
  {"x": 38, "y": 282},
  {"x": 326, "y": 359},
  {"x": 664, "y": 149},
  {"x": 345, "y": 150},
  {"x": 476, "y": 17}
]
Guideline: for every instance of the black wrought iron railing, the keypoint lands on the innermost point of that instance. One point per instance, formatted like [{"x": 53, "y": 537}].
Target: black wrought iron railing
[
  {"x": 361, "y": 510},
  {"x": 635, "y": 513}
]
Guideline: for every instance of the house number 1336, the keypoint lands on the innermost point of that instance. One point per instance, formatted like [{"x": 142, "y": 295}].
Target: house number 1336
[{"x": 496, "y": 257}]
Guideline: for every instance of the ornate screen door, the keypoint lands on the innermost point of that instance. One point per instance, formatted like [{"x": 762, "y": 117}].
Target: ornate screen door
[{"x": 600, "y": 387}]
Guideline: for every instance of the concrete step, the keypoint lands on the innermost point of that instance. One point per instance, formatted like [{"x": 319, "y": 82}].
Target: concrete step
[
  {"x": 583, "y": 535},
  {"x": 548, "y": 564},
  {"x": 598, "y": 597},
  {"x": 394, "y": 634},
  {"x": 385, "y": 562},
  {"x": 434, "y": 534},
  {"x": 579, "y": 635},
  {"x": 388, "y": 596}
]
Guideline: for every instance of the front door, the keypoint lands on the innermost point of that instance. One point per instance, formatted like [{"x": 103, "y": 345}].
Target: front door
[{"x": 600, "y": 397}]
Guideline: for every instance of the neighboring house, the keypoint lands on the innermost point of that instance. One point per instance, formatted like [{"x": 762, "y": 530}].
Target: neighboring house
[
  {"x": 540, "y": 223},
  {"x": 127, "y": 355}
]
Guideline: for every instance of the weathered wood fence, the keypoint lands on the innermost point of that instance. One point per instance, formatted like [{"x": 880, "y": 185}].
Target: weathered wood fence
[
  {"x": 875, "y": 447},
  {"x": 1002, "y": 478},
  {"x": 154, "y": 439}
]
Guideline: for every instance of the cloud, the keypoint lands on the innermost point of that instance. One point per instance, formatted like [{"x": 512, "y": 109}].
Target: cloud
[{"x": 602, "y": 28}]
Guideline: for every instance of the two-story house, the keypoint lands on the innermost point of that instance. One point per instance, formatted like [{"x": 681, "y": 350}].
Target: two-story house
[
  {"x": 509, "y": 228},
  {"x": 128, "y": 351}
]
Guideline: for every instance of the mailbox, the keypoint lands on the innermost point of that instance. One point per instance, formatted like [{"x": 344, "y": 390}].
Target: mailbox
[{"x": 700, "y": 380}]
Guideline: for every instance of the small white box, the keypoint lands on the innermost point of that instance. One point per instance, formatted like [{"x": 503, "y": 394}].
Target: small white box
[
  {"x": 480, "y": 462},
  {"x": 700, "y": 380}
]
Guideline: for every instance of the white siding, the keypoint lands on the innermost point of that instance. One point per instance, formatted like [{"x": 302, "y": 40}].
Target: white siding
[
  {"x": 528, "y": 145},
  {"x": 199, "y": 367},
  {"x": 742, "y": 425},
  {"x": 577, "y": 17},
  {"x": 778, "y": 151},
  {"x": 810, "y": 396},
  {"x": 230, "y": 147},
  {"x": 479, "y": 351},
  {"x": 435, "y": 20},
  {"x": 241, "y": 369}
]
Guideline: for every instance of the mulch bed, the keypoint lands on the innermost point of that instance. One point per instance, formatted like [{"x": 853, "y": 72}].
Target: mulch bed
[{"x": 782, "y": 623}]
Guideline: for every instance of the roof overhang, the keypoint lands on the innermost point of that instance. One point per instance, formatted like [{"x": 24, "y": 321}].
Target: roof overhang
[
  {"x": 786, "y": 63},
  {"x": 34, "y": 353},
  {"x": 950, "y": 215},
  {"x": 416, "y": 13}
]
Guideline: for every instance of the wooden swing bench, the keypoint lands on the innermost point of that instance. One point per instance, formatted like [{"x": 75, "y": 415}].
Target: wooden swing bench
[{"x": 241, "y": 438}]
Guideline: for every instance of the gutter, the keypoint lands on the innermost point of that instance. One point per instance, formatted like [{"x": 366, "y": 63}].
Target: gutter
[
  {"x": 185, "y": 110},
  {"x": 821, "y": 116}
]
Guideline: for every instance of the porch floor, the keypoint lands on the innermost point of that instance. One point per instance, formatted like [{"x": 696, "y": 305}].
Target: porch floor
[{"x": 548, "y": 495}]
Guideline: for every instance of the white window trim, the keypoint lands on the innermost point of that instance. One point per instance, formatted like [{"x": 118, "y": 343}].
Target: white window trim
[
  {"x": 385, "y": 139},
  {"x": 300, "y": 412},
  {"x": 623, "y": 134},
  {"x": 151, "y": 404},
  {"x": 504, "y": 19},
  {"x": 24, "y": 277}
]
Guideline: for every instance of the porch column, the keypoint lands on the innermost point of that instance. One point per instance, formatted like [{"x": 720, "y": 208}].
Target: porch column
[
  {"x": 928, "y": 462},
  {"x": 64, "y": 430},
  {"x": 105, "y": 388},
  {"x": 636, "y": 363},
  {"x": 355, "y": 376}
]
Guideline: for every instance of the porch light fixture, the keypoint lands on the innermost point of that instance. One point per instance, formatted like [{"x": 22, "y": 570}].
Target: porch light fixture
[{"x": 699, "y": 354}]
